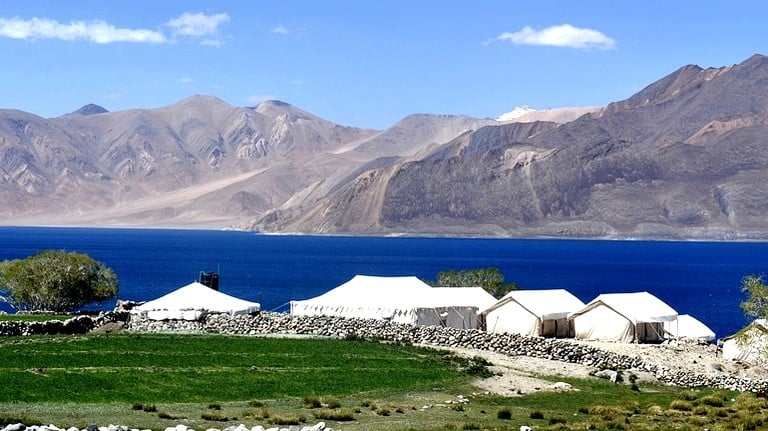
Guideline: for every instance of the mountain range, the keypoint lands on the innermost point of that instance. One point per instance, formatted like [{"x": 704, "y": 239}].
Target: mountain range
[{"x": 685, "y": 158}]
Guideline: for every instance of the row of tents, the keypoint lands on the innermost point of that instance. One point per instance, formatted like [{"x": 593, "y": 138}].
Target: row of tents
[{"x": 627, "y": 317}]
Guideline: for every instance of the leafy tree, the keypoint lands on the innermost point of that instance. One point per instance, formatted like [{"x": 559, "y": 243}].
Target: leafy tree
[
  {"x": 491, "y": 279},
  {"x": 756, "y": 304},
  {"x": 57, "y": 281},
  {"x": 754, "y": 307}
]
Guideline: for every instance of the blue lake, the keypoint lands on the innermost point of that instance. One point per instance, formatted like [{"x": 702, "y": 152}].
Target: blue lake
[{"x": 698, "y": 278}]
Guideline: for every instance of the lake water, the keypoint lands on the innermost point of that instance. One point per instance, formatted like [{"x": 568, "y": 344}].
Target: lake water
[{"x": 698, "y": 278}]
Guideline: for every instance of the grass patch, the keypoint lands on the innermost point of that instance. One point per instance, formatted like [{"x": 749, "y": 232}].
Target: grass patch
[{"x": 197, "y": 368}]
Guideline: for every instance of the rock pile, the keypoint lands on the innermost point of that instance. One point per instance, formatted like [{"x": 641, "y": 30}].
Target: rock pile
[{"x": 507, "y": 344}]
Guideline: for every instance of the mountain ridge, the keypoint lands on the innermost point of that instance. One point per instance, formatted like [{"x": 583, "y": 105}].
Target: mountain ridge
[{"x": 681, "y": 158}]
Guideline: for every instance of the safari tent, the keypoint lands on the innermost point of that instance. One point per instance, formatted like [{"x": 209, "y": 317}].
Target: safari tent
[
  {"x": 627, "y": 317},
  {"x": 689, "y": 328},
  {"x": 192, "y": 301},
  {"x": 533, "y": 312},
  {"x": 753, "y": 348},
  {"x": 398, "y": 299}
]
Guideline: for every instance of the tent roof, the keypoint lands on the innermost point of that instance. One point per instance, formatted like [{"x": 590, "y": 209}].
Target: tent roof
[
  {"x": 364, "y": 291},
  {"x": 196, "y": 296},
  {"x": 455, "y": 296},
  {"x": 544, "y": 304},
  {"x": 691, "y": 327},
  {"x": 638, "y": 307},
  {"x": 372, "y": 291}
]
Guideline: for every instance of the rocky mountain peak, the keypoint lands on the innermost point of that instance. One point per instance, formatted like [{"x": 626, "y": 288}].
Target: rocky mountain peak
[{"x": 89, "y": 109}]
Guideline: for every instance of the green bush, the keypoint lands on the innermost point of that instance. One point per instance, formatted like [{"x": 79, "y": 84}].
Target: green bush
[
  {"x": 504, "y": 414},
  {"x": 556, "y": 420},
  {"x": 287, "y": 420},
  {"x": 217, "y": 417},
  {"x": 681, "y": 405},
  {"x": 336, "y": 414},
  {"x": 57, "y": 281},
  {"x": 688, "y": 395},
  {"x": 536, "y": 414}
]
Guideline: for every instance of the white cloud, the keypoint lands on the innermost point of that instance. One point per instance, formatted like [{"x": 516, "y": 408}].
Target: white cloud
[
  {"x": 280, "y": 29},
  {"x": 197, "y": 24},
  {"x": 97, "y": 31},
  {"x": 565, "y": 35},
  {"x": 186, "y": 80}
]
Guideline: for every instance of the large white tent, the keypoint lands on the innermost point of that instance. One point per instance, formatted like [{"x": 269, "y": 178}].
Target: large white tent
[
  {"x": 627, "y": 317},
  {"x": 689, "y": 328},
  {"x": 533, "y": 312},
  {"x": 399, "y": 299},
  {"x": 192, "y": 301},
  {"x": 752, "y": 347}
]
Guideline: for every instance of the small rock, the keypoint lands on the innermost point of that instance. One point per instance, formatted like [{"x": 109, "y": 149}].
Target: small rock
[{"x": 561, "y": 386}]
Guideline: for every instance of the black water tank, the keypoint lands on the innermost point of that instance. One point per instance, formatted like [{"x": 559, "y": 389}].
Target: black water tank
[{"x": 210, "y": 279}]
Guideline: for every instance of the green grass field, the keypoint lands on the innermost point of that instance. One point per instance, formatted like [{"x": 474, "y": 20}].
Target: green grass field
[{"x": 202, "y": 381}]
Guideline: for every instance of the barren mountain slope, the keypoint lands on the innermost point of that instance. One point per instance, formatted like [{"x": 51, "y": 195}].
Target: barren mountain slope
[{"x": 685, "y": 157}]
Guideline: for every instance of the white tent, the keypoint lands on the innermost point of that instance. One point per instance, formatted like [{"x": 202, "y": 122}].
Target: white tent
[
  {"x": 626, "y": 317},
  {"x": 533, "y": 312},
  {"x": 688, "y": 327},
  {"x": 399, "y": 299},
  {"x": 192, "y": 301},
  {"x": 753, "y": 348}
]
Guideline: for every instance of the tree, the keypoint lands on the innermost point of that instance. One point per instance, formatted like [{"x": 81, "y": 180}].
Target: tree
[
  {"x": 754, "y": 307},
  {"x": 58, "y": 281},
  {"x": 756, "y": 304},
  {"x": 491, "y": 279}
]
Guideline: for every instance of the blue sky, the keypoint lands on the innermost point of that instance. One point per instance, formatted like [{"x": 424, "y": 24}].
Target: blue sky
[{"x": 358, "y": 63}]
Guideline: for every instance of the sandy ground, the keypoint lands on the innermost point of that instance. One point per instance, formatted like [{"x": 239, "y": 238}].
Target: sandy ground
[{"x": 520, "y": 375}]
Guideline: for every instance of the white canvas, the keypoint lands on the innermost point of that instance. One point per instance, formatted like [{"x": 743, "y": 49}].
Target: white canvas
[{"x": 190, "y": 302}]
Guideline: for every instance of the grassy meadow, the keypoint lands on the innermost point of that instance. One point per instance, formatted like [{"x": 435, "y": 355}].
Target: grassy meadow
[{"x": 158, "y": 380}]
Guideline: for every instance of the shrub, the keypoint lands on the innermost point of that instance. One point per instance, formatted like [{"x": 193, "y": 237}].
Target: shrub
[
  {"x": 700, "y": 410},
  {"x": 287, "y": 420},
  {"x": 681, "y": 405},
  {"x": 505, "y": 414},
  {"x": 137, "y": 406},
  {"x": 214, "y": 406},
  {"x": 256, "y": 403},
  {"x": 688, "y": 395},
  {"x": 149, "y": 408},
  {"x": 655, "y": 410},
  {"x": 383, "y": 411},
  {"x": 164, "y": 415},
  {"x": 536, "y": 414},
  {"x": 218, "y": 417},
  {"x": 712, "y": 400},
  {"x": 471, "y": 426},
  {"x": 556, "y": 420},
  {"x": 315, "y": 402},
  {"x": 340, "y": 415},
  {"x": 16, "y": 419}
]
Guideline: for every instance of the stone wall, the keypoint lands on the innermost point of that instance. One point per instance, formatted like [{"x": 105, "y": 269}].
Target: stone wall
[
  {"x": 508, "y": 344},
  {"x": 75, "y": 325}
]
